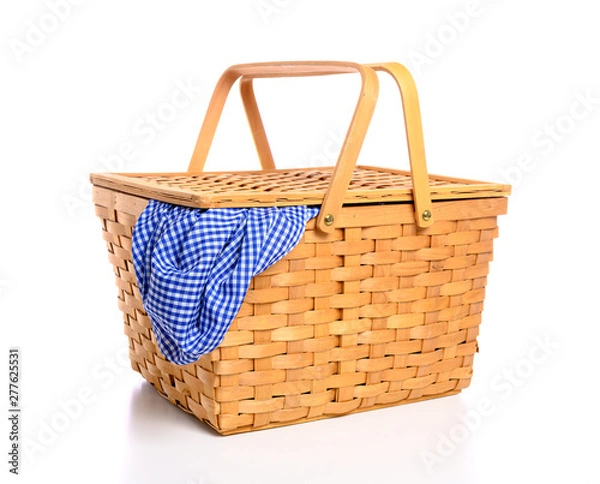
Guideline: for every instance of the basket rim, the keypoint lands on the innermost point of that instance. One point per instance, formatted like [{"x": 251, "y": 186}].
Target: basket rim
[{"x": 253, "y": 188}]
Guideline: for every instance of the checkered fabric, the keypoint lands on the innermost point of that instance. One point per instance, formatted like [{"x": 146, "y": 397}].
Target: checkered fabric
[{"x": 194, "y": 266}]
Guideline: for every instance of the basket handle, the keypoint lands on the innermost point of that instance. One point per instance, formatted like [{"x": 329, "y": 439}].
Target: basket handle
[
  {"x": 354, "y": 138},
  {"x": 363, "y": 112},
  {"x": 414, "y": 135}
]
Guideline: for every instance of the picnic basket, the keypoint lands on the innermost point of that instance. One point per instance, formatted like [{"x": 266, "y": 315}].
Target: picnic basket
[{"x": 379, "y": 304}]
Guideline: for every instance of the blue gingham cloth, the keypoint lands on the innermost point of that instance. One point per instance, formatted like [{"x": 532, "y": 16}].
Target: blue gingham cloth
[{"x": 194, "y": 266}]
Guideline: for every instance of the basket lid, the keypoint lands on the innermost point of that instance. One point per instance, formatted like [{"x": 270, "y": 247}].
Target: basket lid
[{"x": 284, "y": 187}]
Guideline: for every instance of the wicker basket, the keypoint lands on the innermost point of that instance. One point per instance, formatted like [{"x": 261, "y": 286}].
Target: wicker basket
[{"x": 378, "y": 305}]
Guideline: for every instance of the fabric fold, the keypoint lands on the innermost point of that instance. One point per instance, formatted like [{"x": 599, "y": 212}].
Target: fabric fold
[{"x": 194, "y": 267}]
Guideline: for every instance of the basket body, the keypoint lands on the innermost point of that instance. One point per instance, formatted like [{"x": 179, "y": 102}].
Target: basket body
[{"x": 378, "y": 312}]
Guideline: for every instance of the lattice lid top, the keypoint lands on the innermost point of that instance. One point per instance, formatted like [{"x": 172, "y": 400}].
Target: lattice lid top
[{"x": 303, "y": 186}]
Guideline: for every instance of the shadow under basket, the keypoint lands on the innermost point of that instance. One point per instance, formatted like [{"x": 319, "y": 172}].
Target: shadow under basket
[{"x": 379, "y": 304}]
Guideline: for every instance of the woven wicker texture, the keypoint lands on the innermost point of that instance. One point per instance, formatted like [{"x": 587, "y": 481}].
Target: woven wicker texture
[
  {"x": 377, "y": 313},
  {"x": 289, "y": 187}
]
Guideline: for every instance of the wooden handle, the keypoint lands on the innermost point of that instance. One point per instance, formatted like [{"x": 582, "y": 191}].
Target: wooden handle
[
  {"x": 361, "y": 119},
  {"x": 414, "y": 138},
  {"x": 338, "y": 186},
  {"x": 256, "y": 124}
]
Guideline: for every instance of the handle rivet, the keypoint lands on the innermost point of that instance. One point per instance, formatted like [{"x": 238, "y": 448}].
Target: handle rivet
[
  {"x": 328, "y": 219},
  {"x": 426, "y": 215}
]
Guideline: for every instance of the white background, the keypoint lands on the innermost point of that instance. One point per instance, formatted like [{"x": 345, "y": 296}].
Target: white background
[{"x": 505, "y": 76}]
